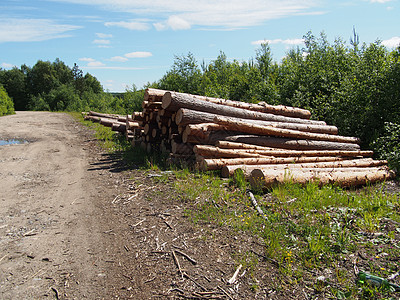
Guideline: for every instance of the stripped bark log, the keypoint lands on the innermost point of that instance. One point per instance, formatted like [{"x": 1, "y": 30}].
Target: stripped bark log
[
  {"x": 228, "y": 171},
  {"x": 291, "y": 144},
  {"x": 174, "y": 102},
  {"x": 209, "y": 151},
  {"x": 261, "y": 107},
  {"x": 217, "y": 164},
  {"x": 246, "y": 127},
  {"x": 195, "y": 117},
  {"x": 263, "y": 179}
]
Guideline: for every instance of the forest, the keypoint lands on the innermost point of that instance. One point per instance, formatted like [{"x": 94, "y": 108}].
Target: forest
[{"x": 353, "y": 86}]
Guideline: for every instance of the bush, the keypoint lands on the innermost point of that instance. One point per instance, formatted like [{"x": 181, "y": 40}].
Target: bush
[
  {"x": 388, "y": 145},
  {"x": 6, "y": 104}
]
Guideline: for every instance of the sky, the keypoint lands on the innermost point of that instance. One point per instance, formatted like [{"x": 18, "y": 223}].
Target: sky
[{"x": 134, "y": 42}]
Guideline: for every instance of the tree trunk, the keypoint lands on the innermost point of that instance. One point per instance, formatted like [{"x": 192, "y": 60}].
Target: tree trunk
[
  {"x": 280, "y": 132},
  {"x": 174, "y": 102},
  {"x": 209, "y": 151},
  {"x": 291, "y": 144},
  {"x": 261, "y": 107},
  {"x": 197, "y": 118},
  {"x": 228, "y": 171},
  {"x": 218, "y": 163},
  {"x": 266, "y": 178}
]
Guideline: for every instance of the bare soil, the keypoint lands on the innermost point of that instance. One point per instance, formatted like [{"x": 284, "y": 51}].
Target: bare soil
[{"x": 75, "y": 224}]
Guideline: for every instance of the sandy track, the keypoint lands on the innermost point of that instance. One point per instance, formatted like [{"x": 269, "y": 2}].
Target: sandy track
[{"x": 50, "y": 225}]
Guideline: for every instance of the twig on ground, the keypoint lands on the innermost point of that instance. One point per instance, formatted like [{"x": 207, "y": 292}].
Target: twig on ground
[
  {"x": 233, "y": 278},
  {"x": 194, "y": 281},
  {"x": 258, "y": 208},
  {"x": 229, "y": 296},
  {"x": 177, "y": 263},
  {"x": 187, "y": 257}
]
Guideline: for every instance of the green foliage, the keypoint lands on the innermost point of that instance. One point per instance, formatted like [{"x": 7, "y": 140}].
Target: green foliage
[
  {"x": 6, "y": 104},
  {"x": 388, "y": 145}
]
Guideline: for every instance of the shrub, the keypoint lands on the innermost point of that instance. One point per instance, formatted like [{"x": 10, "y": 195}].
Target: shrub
[
  {"x": 6, "y": 104},
  {"x": 388, "y": 145}
]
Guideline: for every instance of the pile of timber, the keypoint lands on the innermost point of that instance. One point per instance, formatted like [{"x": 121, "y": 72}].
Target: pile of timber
[
  {"x": 270, "y": 144},
  {"x": 122, "y": 124}
]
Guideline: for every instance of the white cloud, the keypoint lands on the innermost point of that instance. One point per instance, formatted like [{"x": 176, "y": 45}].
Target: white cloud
[
  {"x": 131, "y": 25},
  {"x": 88, "y": 59},
  {"x": 174, "y": 23},
  {"x": 138, "y": 54},
  {"x": 380, "y": 1},
  {"x": 221, "y": 14},
  {"x": 101, "y": 42},
  {"x": 392, "y": 42},
  {"x": 279, "y": 41},
  {"x": 118, "y": 59},
  {"x": 104, "y": 35},
  {"x": 32, "y": 30},
  {"x": 7, "y": 65},
  {"x": 95, "y": 64}
]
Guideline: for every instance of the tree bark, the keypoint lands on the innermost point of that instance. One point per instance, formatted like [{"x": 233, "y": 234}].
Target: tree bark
[
  {"x": 267, "y": 178},
  {"x": 228, "y": 171},
  {"x": 218, "y": 163},
  {"x": 261, "y": 107},
  {"x": 173, "y": 102},
  {"x": 291, "y": 144},
  {"x": 196, "y": 117},
  {"x": 246, "y": 127},
  {"x": 209, "y": 151}
]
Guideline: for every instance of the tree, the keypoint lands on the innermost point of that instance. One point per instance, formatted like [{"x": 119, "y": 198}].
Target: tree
[{"x": 6, "y": 104}]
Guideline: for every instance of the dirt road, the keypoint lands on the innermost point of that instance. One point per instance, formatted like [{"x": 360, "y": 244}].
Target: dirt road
[
  {"x": 50, "y": 218},
  {"x": 76, "y": 224}
]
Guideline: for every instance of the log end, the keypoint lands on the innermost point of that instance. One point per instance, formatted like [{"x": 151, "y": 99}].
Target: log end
[
  {"x": 257, "y": 179},
  {"x": 166, "y": 100}
]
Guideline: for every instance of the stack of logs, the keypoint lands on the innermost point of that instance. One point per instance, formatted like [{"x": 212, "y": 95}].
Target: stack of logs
[
  {"x": 122, "y": 124},
  {"x": 271, "y": 144}
]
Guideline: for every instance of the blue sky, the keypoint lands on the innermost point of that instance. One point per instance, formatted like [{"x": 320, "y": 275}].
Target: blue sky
[{"x": 125, "y": 42}]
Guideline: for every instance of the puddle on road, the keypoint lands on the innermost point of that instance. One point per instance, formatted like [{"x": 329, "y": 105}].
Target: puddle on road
[{"x": 12, "y": 142}]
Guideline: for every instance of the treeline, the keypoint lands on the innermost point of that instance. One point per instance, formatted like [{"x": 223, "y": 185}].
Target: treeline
[
  {"x": 54, "y": 86},
  {"x": 351, "y": 85},
  {"x": 355, "y": 87}
]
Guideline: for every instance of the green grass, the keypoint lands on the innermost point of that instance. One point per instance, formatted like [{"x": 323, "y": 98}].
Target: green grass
[{"x": 309, "y": 230}]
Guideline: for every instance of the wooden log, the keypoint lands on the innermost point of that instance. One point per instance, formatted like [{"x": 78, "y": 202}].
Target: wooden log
[
  {"x": 280, "y": 132},
  {"x": 174, "y": 102},
  {"x": 181, "y": 148},
  {"x": 97, "y": 114},
  {"x": 228, "y": 170},
  {"x": 138, "y": 116},
  {"x": 120, "y": 127},
  {"x": 292, "y": 144},
  {"x": 266, "y": 178},
  {"x": 218, "y": 163},
  {"x": 210, "y": 139},
  {"x": 214, "y": 152},
  {"x": 151, "y": 94},
  {"x": 148, "y": 128},
  {"x": 187, "y": 117},
  {"x": 92, "y": 118},
  {"x": 151, "y": 105},
  {"x": 261, "y": 107},
  {"x": 209, "y": 151}
]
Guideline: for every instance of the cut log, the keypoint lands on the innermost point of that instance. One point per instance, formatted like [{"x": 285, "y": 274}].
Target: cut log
[
  {"x": 247, "y": 127},
  {"x": 218, "y": 163},
  {"x": 261, "y": 107},
  {"x": 180, "y": 148},
  {"x": 209, "y": 151},
  {"x": 267, "y": 178},
  {"x": 228, "y": 171},
  {"x": 292, "y": 144},
  {"x": 109, "y": 116},
  {"x": 174, "y": 102},
  {"x": 210, "y": 120},
  {"x": 153, "y": 94},
  {"x": 214, "y": 152}
]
